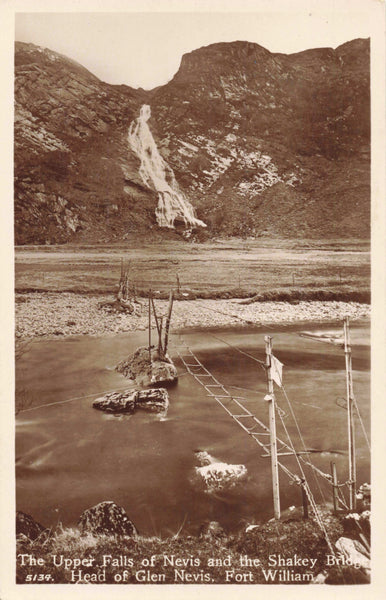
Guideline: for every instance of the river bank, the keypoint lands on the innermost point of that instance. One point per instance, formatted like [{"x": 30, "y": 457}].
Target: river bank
[{"x": 44, "y": 314}]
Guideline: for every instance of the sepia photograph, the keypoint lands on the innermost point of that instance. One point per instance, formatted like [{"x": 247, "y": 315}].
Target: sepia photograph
[{"x": 193, "y": 192}]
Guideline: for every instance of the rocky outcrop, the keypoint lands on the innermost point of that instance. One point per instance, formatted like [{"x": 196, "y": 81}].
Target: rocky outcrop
[
  {"x": 152, "y": 400},
  {"x": 148, "y": 371},
  {"x": 260, "y": 144},
  {"x": 106, "y": 518},
  {"x": 268, "y": 143},
  {"x": 28, "y": 527}
]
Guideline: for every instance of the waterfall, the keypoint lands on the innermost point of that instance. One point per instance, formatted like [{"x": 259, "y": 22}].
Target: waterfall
[{"x": 156, "y": 174}]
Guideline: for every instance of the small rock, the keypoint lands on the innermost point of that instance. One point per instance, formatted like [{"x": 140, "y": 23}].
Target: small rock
[
  {"x": 212, "y": 530},
  {"x": 251, "y": 528},
  {"x": 106, "y": 518},
  {"x": 320, "y": 578}
]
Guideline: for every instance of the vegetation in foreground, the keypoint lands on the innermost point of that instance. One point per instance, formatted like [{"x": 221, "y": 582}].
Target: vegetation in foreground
[{"x": 212, "y": 557}]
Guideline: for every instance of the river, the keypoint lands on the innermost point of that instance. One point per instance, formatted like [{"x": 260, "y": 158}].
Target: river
[{"x": 70, "y": 456}]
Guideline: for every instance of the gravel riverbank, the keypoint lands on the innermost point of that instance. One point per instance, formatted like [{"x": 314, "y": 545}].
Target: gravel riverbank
[{"x": 65, "y": 314}]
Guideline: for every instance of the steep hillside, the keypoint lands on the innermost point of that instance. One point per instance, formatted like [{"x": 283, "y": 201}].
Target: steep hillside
[
  {"x": 73, "y": 172},
  {"x": 260, "y": 144},
  {"x": 268, "y": 143}
]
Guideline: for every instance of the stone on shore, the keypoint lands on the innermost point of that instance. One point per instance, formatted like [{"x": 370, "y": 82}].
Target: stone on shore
[
  {"x": 106, "y": 518},
  {"x": 45, "y": 314},
  {"x": 144, "y": 371},
  {"x": 212, "y": 531},
  {"x": 28, "y": 527},
  {"x": 354, "y": 553}
]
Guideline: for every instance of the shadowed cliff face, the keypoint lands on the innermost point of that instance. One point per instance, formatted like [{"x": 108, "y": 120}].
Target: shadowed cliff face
[{"x": 259, "y": 143}]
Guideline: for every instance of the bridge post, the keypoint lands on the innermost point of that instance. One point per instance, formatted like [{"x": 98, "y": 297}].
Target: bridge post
[
  {"x": 270, "y": 397},
  {"x": 350, "y": 417}
]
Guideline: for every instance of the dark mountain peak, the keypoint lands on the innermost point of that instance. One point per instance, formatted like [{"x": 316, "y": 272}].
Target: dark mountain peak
[
  {"x": 238, "y": 48},
  {"x": 357, "y": 45},
  {"x": 222, "y": 55}
]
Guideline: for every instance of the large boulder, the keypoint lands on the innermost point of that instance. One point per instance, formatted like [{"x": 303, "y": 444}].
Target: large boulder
[
  {"x": 355, "y": 553},
  {"x": 153, "y": 399},
  {"x": 106, "y": 518},
  {"x": 28, "y": 527},
  {"x": 147, "y": 369},
  {"x": 117, "y": 402}
]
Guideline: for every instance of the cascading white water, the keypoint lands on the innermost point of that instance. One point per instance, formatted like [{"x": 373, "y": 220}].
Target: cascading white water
[{"x": 156, "y": 174}]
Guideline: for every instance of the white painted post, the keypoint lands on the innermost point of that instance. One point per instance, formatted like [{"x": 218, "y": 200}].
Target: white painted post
[
  {"x": 350, "y": 417},
  {"x": 270, "y": 397}
]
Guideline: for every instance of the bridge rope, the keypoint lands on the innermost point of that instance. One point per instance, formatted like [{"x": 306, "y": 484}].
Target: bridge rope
[
  {"x": 302, "y": 439},
  {"x": 307, "y": 489},
  {"x": 199, "y": 371},
  {"x": 361, "y": 422}
]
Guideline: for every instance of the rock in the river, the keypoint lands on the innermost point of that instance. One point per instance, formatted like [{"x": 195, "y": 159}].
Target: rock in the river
[
  {"x": 162, "y": 372},
  {"x": 27, "y": 526},
  {"x": 106, "y": 518},
  {"x": 218, "y": 475},
  {"x": 117, "y": 402},
  {"x": 144, "y": 371},
  {"x": 154, "y": 399}
]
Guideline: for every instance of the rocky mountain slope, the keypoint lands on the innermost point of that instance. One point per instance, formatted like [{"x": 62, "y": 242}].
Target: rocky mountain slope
[{"x": 260, "y": 144}]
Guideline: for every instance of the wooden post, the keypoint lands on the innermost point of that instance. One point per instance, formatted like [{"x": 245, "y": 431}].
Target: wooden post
[
  {"x": 160, "y": 349},
  {"x": 167, "y": 324},
  {"x": 350, "y": 417},
  {"x": 270, "y": 397},
  {"x": 158, "y": 324},
  {"x": 178, "y": 284},
  {"x": 335, "y": 497},
  {"x": 304, "y": 500},
  {"x": 150, "y": 299}
]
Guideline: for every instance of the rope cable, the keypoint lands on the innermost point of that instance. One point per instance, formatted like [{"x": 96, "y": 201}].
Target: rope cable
[
  {"x": 308, "y": 491},
  {"x": 302, "y": 440},
  {"x": 361, "y": 422},
  {"x": 75, "y": 398}
]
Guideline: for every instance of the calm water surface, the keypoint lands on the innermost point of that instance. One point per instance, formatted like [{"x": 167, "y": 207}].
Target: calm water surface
[{"x": 71, "y": 456}]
